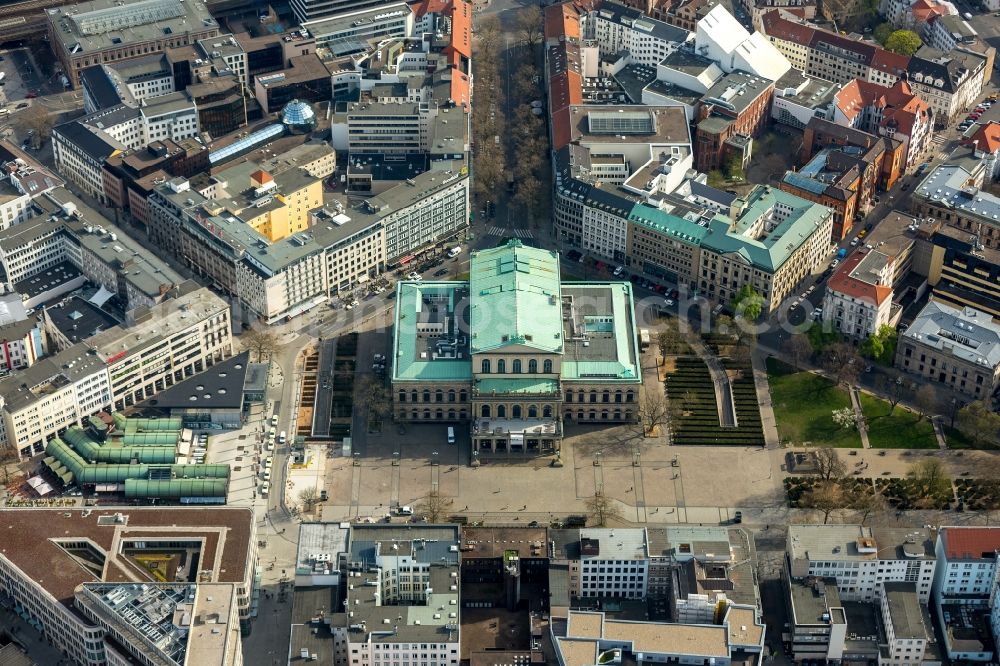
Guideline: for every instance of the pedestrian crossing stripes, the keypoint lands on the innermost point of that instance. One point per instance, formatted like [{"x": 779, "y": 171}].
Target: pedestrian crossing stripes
[{"x": 509, "y": 233}]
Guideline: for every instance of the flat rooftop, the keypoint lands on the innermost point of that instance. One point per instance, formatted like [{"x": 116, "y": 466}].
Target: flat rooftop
[
  {"x": 219, "y": 386},
  {"x": 78, "y": 318},
  {"x": 812, "y": 600},
  {"x": 47, "y": 280},
  {"x": 494, "y": 542},
  {"x": 31, "y": 537},
  {"x": 906, "y": 612},
  {"x": 854, "y": 542},
  {"x": 638, "y": 123},
  {"x": 98, "y": 25},
  {"x": 159, "y": 322}
]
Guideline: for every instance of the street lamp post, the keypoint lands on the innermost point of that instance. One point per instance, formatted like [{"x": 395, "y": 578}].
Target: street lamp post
[{"x": 434, "y": 459}]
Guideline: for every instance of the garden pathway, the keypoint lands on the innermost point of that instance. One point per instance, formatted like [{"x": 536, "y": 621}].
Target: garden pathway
[
  {"x": 758, "y": 359},
  {"x": 723, "y": 391},
  {"x": 939, "y": 432},
  {"x": 860, "y": 415}
]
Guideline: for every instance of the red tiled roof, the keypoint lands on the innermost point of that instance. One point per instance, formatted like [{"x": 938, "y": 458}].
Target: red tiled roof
[
  {"x": 562, "y": 20},
  {"x": 901, "y": 108},
  {"x": 986, "y": 138},
  {"x": 971, "y": 542},
  {"x": 424, "y": 7},
  {"x": 777, "y": 26},
  {"x": 887, "y": 61},
  {"x": 924, "y": 10},
  {"x": 843, "y": 282},
  {"x": 461, "y": 30},
  {"x": 262, "y": 177},
  {"x": 562, "y": 128}
]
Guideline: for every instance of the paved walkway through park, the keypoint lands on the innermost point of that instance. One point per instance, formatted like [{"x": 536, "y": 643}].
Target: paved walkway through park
[
  {"x": 767, "y": 421},
  {"x": 860, "y": 416}
]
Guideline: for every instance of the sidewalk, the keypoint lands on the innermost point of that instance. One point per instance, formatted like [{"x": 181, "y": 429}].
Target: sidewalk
[{"x": 860, "y": 416}]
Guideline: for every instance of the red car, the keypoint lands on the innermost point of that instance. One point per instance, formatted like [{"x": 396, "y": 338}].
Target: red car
[{"x": 31, "y": 95}]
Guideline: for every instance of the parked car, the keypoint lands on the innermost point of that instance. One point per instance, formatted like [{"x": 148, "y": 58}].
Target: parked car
[
  {"x": 413, "y": 275},
  {"x": 440, "y": 272}
]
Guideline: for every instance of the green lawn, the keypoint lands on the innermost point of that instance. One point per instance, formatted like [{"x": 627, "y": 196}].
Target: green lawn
[
  {"x": 902, "y": 430},
  {"x": 803, "y": 406},
  {"x": 958, "y": 440}
]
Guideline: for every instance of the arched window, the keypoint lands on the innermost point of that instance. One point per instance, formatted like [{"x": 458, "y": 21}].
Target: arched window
[
  {"x": 402, "y": 396},
  {"x": 606, "y": 396},
  {"x": 547, "y": 411},
  {"x": 593, "y": 415},
  {"x": 451, "y": 395},
  {"x": 427, "y": 395},
  {"x": 630, "y": 396},
  {"x": 413, "y": 415},
  {"x": 547, "y": 366},
  {"x": 451, "y": 414},
  {"x": 486, "y": 366},
  {"x": 439, "y": 396},
  {"x": 532, "y": 366},
  {"x": 593, "y": 396},
  {"x": 439, "y": 414},
  {"x": 517, "y": 366},
  {"x": 569, "y": 396},
  {"x": 501, "y": 366},
  {"x": 515, "y": 412},
  {"x": 618, "y": 415},
  {"x": 618, "y": 395},
  {"x": 485, "y": 411},
  {"x": 463, "y": 395},
  {"x": 413, "y": 396},
  {"x": 501, "y": 411},
  {"x": 579, "y": 416},
  {"x": 427, "y": 414},
  {"x": 532, "y": 412}
]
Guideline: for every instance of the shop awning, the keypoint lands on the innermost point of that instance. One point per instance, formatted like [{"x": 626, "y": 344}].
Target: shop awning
[{"x": 405, "y": 260}]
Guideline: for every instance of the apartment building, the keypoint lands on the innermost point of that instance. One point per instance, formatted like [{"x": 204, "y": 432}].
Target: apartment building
[
  {"x": 69, "y": 230},
  {"x": 838, "y": 178},
  {"x": 858, "y": 298},
  {"x": 885, "y": 153},
  {"x": 603, "y": 562},
  {"x": 962, "y": 272},
  {"x": 93, "y": 618},
  {"x": 895, "y": 112},
  {"x": 799, "y": 98},
  {"x": 79, "y": 152},
  {"x": 588, "y": 637},
  {"x": 946, "y": 32},
  {"x": 116, "y": 368},
  {"x": 965, "y": 591},
  {"x": 860, "y": 560},
  {"x": 402, "y": 602},
  {"x": 908, "y": 628},
  {"x": 733, "y": 110},
  {"x": 22, "y": 343},
  {"x": 952, "y": 194},
  {"x": 125, "y": 82},
  {"x": 618, "y": 28},
  {"x": 950, "y": 82},
  {"x": 104, "y": 31},
  {"x": 956, "y": 347},
  {"x": 338, "y": 245}
]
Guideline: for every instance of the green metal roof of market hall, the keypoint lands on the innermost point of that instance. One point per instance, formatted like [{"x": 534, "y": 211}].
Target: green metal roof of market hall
[{"x": 515, "y": 298}]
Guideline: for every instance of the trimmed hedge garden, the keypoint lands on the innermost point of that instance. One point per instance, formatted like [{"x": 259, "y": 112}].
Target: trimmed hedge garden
[{"x": 691, "y": 385}]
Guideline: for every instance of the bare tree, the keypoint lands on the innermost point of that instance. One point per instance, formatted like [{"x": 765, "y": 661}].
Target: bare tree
[
  {"x": 740, "y": 356},
  {"x": 653, "y": 410},
  {"x": 893, "y": 388},
  {"x": 829, "y": 464},
  {"x": 308, "y": 496},
  {"x": 926, "y": 401},
  {"x": 931, "y": 478},
  {"x": 842, "y": 361},
  {"x": 602, "y": 508},
  {"x": 261, "y": 342},
  {"x": 826, "y": 498},
  {"x": 434, "y": 506},
  {"x": 372, "y": 393},
  {"x": 798, "y": 349},
  {"x": 869, "y": 504},
  {"x": 7, "y": 456},
  {"x": 41, "y": 122},
  {"x": 487, "y": 35},
  {"x": 531, "y": 25},
  {"x": 669, "y": 339}
]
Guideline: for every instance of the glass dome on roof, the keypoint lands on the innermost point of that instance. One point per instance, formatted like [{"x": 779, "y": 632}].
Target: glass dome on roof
[{"x": 298, "y": 117}]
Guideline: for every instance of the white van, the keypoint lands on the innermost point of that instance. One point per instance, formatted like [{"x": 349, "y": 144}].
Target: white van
[
  {"x": 453, "y": 252},
  {"x": 281, "y": 437},
  {"x": 271, "y": 433},
  {"x": 265, "y": 488},
  {"x": 274, "y": 421},
  {"x": 270, "y": 444},
  {"x": 451, "y": 435},
  {"x": 267, "y": 475}
]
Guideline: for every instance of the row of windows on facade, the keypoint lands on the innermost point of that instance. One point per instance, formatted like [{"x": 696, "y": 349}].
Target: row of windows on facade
[{"x": 516, "y": 366}]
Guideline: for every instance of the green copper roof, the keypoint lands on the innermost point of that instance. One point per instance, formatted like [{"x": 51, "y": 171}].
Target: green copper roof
[
  {"x": 416, "y": 356},
  {"x": 529, "y": 385},
  {"x": 792, "y": 221},
  {"x": 515, "y": 298},
  {"x": 769, "y": 227}
]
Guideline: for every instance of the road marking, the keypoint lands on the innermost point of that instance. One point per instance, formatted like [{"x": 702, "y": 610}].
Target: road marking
[{"x": 504, "y": 232}]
